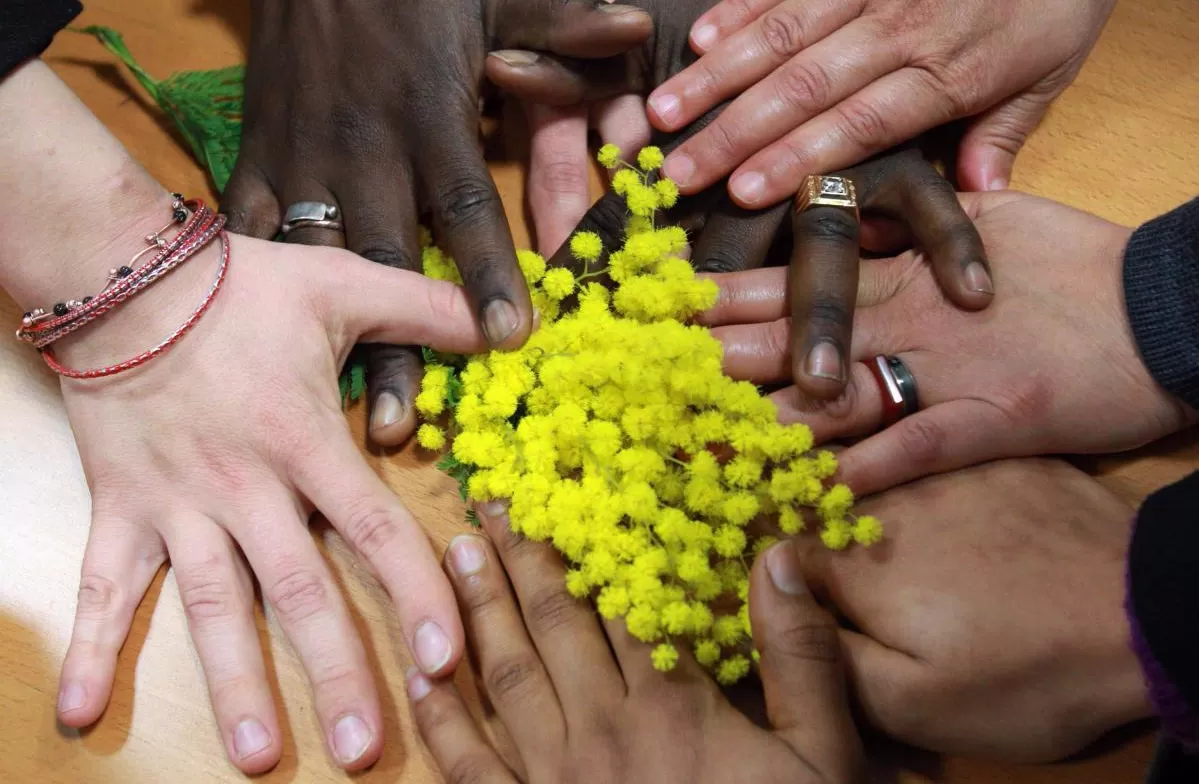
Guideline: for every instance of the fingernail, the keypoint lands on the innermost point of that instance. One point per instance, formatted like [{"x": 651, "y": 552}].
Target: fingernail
[
  {"x": 977, "y": 278},
  {"x": 432, "y": 647},
  {"x": 492, "y": 509},
  {"x": 680, "y": 168},
  {"x": 748, "y": 187},
  {"x": 249, "y": 738},
  {"x": 665, "y": 106},
  {"x": 824, "y": 361},
  {"x": 467, "y": 555},
  {"x": 499, "y": 320},
  {"x": 704, "y": 36},
  {"x": 72, "y": 697},
  {"x": 388, "y": 411},
  {"x": 351, "y": 737},
  {"x": 998, "y": 184},
  {"x": 418, "y": 685},
  {"x": 782, "y": 564},
  {"x": 616, "y": 8},
  {"x": 517, "y": 57}
]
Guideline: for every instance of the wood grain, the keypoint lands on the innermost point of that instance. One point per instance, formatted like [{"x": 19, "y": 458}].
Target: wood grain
[{"x": 1120, "y": 143}]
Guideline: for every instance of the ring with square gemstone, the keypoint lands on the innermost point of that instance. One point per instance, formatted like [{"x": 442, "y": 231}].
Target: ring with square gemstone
[{"x": 827, "y": 191}]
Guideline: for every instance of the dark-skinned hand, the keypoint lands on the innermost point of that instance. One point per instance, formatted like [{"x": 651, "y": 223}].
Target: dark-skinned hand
[
  {"x": 581, "y": 701},
  {"x": 901, "y": 187},
  {"x": 374, "y": 106}
]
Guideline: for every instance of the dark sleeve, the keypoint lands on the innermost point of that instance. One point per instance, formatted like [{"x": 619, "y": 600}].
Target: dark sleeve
[
  {"x": 1161, "y": 292},
  {"x": 28, "y": 26},
  {"x": 1163, "y": 611}
]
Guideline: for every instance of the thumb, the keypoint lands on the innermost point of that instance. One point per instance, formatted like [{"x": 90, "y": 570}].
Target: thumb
[
  {"x": 374, "y": 303},
  {"x": 801, "y": 666},
  {"x": 989, "y": 148},
  {"x": 890, "y": 686}
]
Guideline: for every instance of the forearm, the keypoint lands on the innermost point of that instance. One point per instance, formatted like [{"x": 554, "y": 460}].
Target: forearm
[
  {"x": 73, "y": 198},
  {"x": 74, "y": 206},
  {"x": 1161, "y": 291}
]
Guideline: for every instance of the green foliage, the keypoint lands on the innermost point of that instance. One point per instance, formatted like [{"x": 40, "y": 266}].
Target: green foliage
[
  {"x": 205, "y": 106},
  {"x": 461, "y": 473},
  {"x": 206, "y": 109}
]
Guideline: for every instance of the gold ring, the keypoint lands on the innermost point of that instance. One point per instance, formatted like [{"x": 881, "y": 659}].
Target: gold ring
[{"x": 823, "y": 191}]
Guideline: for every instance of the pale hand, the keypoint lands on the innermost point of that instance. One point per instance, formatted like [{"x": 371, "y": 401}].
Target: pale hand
[
  {"x": 1050, "y": 368},
  {"x": 220, "y": 449},
  {"x": 823, "y": 84}
]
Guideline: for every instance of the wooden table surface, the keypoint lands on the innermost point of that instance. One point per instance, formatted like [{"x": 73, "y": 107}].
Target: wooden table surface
[{"x": 1121, "y": 143}]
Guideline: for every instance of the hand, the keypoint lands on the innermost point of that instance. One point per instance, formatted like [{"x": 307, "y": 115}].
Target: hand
[
  {"x": 1050, "y": 368},
  {"x": 220, "y": 449},
  {"x": 373, "y": 106},
  {"x": 901, "y": 186},
  {"x": 991, "y": 622},
  {"x": 824, "y": 85},
  {"x": 577, "y": 709}
]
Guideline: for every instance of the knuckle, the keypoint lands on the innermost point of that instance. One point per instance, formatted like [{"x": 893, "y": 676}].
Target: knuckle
[
  {"x": 466, "y": 201},
  {"x": 298, "y": 595},
  {"x": 607, "y": 219},
  {"x": 831, "y": 224},
  {"x": 370, "y": 530},
  {"x": 805, "y": 85},
  {"x": 386, "y": 251},
  {"x": 958, "y": 81},
  {"x": 722, "y": 259},
  {"x": 207, "y": 598},
  {"x": 810, "y": 640},
  {"x": 397, "y": 368},
  {"x": 549, "y": 610},
  {"x": 921, "y": 441},
  {"x": 481, "y": 596},
  {"x": 470, "y": 769},
  {"x": 721, "y": 140},
  {"x": 99, "y": 597},
  {"x": 507, "y": 678},
  {"x": 562, "y": 177},
  {"x": 828, "y": 314},
  {"x": 783, "y": 32},
  {"x": 863, "y": 124},
  {"x": 336, "y": 678}
]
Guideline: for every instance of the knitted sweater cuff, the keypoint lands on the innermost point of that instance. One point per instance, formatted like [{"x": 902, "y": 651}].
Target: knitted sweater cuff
[
  {"x": 1178, "y": 721},
  {"x": 1161, "y": 293}
]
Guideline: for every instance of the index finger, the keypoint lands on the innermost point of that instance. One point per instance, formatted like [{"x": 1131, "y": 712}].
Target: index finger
[
  {"x": 746, "y": 57},
  {"x": 468, "y": 210},
  {"x": 380, "y": 528},
  {"x": 823, "y": 287}
]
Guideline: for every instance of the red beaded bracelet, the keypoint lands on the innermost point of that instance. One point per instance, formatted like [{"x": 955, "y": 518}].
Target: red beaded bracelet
[
  {"x": 133, "y": 285},
  {"x": 146, "y": 356},
  {"x": 38, "y": 322},
  {"x": 198, "y": 227}
]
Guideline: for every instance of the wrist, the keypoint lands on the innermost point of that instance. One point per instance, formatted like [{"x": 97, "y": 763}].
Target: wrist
[{"x": 72, "y": 194}]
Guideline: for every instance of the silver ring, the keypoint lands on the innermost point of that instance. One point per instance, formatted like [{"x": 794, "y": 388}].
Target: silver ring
[
  {"x": 311, "y": 214},
  {"x": 907, "y": 385},
  {"x": 898, "y": 388}
]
